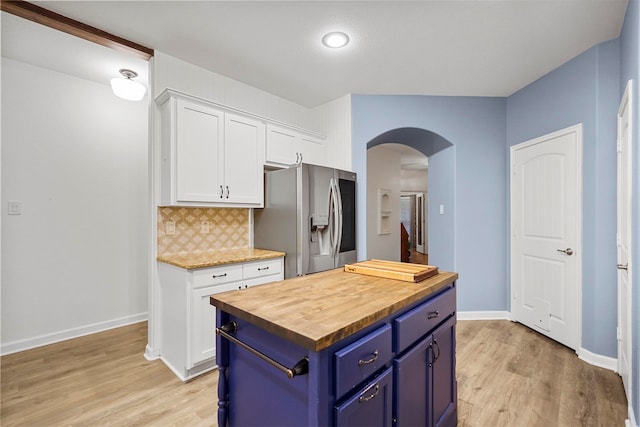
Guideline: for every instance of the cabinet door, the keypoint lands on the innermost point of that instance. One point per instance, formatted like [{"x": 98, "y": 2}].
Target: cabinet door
[
  {"x": 444, "y": 379},
  {"x": 312, "y": 150},
  {"x": 198, "y": 152},
  {"x": 280, "y": 146},
  {"x": 371, "y": 406},
  {"x": 203, "y": 323},
  {"x": 244, "y": 159},
  {"x": 413, "y": 385}
]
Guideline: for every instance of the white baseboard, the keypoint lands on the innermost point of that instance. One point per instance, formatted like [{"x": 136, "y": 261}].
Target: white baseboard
[
  {"x": 484, "y": 315},
  {"x": 594, "y": 359},
  {"x": 589, "y": 357},
  {"x": 150, "y": 353},
  {"x": 26, "y": 344},
  {"x": 631, "y": 421},
  {"x": 193, "y": 372}
]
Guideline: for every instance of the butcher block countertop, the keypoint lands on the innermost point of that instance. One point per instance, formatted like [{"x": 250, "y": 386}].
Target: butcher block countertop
[
  {"x": 214, "y": 258},
  {"x": 318, "y": 310}
]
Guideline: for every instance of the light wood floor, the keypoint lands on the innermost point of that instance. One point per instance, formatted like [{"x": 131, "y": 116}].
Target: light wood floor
[
  {"x": 507, "y": 376},
  {"x": 418, "y": 258}
]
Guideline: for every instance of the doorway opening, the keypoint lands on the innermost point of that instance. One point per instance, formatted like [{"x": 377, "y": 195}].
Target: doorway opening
[
  {"x": 398, "y": 174},
  {"x": 413, "y": 218}
]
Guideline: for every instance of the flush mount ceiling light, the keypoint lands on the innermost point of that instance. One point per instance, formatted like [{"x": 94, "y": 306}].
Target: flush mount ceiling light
[
  {"x": 335, "y": 39},
  {"x": 125, "y": 88}
]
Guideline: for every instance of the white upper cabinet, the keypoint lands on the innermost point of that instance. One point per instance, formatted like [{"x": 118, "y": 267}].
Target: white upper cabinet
[
  {"x": 210, "y": 157},
  {"x": 244, "y": 158},
  {"x": 280, "y": 146},
  {"x": 199, "y": 153},
  {"x": 286, "y": 146}
]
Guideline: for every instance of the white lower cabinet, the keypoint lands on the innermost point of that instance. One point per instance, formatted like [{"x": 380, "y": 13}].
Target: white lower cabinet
[
  {"x": 188, "y": 338},
  {"x": 203, "y": 318}
]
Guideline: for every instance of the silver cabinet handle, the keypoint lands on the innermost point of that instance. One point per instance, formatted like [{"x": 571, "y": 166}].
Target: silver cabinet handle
[
  {"x": 433, "y": 314},
  {"x": 221, "y": 192},
  {"x": 227, "y": 191},
  {"x": 263, "y": 268},
  {"x": 623, "y": 266},
  {"x": 567, "y": 251},
  {"x": 373, "y": 358},
  {"x": 219, "y": 275},
  {"x": 364, "y": 398}
]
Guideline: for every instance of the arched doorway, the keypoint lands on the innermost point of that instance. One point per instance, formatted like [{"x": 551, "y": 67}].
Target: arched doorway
[{"x": 386, "y": 154}]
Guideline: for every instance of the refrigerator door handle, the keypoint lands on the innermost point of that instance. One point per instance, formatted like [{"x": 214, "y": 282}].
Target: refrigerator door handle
[
  {"x": 333, "y": 214},
  {"x": 339, "y": 216}
]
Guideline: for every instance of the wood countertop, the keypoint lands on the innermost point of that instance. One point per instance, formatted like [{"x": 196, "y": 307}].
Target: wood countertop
[
  {"x": 317, "y": 310},
  {"x": 222, "y": 257}
]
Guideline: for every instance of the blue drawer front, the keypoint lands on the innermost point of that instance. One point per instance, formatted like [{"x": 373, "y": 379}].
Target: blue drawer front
[
  {"x": 358, "y": 361},
  {"x": 412, "y": 325},
  {"x": 371, "y": 406}
]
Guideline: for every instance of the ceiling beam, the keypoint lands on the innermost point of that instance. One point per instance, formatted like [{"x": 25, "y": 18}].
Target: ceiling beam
[{"x": 51, "y": 19}]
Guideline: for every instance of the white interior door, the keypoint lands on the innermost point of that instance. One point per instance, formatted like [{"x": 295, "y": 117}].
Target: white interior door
[
  {"x": 624, "y": 240},
  {"x": 421, "y": 241},
  {"x": 545, "y": 234}
]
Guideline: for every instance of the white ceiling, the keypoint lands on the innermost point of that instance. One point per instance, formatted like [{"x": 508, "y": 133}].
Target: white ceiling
[
  {"x": 410, "y": 158},
  {"x": 453, "y": 47},
  {"x": 35, "y": 44}
]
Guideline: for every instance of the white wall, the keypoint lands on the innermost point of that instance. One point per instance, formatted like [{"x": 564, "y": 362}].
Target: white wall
[
  {"x": 331, "y": 120},
  {"x": 170, "y": 72},
  {"x": 414, "y": 180},
  {"x": 383, "y": 171},
  {"x": 75, "y": 261}
]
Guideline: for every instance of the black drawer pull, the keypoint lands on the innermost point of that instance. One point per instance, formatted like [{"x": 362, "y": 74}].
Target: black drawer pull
[
  {"x": 219, "y": 275},
  {"x": 433, "y": 314},
  {"x": 374, "y": 357},
  {"x": 364, "y": 398},
  {"x": 300, "y": 368},
  {"x": 263, "y": 268},
  {"x": 436, "y": 355}
]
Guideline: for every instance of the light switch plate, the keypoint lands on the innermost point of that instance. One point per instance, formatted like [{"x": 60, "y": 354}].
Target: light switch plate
[
  {"x": 15, "y": 207},
  {"x": 170, "y": 228},
  {"x": 204, "y": 227}
]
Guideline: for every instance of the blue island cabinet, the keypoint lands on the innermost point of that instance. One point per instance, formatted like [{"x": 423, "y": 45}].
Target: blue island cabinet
[{"x": 397, "y": 371}]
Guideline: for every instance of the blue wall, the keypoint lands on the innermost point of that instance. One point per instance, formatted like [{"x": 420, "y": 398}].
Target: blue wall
[
  {"x": 630, "y": 70},
  {"x": 584, "y": 90},
  {"x": 467, "y": 178},
  {"x": 471, "y": 178}
]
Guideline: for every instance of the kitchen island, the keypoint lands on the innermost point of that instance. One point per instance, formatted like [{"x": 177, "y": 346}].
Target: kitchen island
[{"x": 338, "y": 348}]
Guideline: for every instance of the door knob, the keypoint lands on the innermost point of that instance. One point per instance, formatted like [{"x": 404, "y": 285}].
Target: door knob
[
  {"x": 567, "y": 251},
  {"x": 623, "y": 266}
]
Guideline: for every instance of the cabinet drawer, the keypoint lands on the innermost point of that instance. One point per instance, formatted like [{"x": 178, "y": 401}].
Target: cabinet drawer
[
  {"x": 371, "y": 406},
  {"x": 262, "y": 268},
  {"x": 217, "y": 275},
  {"x": 422, "y": 319},
  {"x": 358, "y": 361}
]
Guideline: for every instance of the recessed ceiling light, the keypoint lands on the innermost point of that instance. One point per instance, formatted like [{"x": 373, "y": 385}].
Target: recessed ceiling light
[{"x": 335, "y": 40}]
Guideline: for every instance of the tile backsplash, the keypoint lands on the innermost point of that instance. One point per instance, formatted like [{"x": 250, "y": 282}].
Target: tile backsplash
[{"x": 228, "y": 229}]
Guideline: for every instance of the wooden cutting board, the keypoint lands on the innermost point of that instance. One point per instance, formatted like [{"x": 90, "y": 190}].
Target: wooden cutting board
[{"x": 405, "y": 271}]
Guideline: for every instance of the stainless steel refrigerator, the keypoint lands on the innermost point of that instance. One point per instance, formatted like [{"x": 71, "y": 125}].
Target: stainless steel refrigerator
[{"x": 310, "y": 214}]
